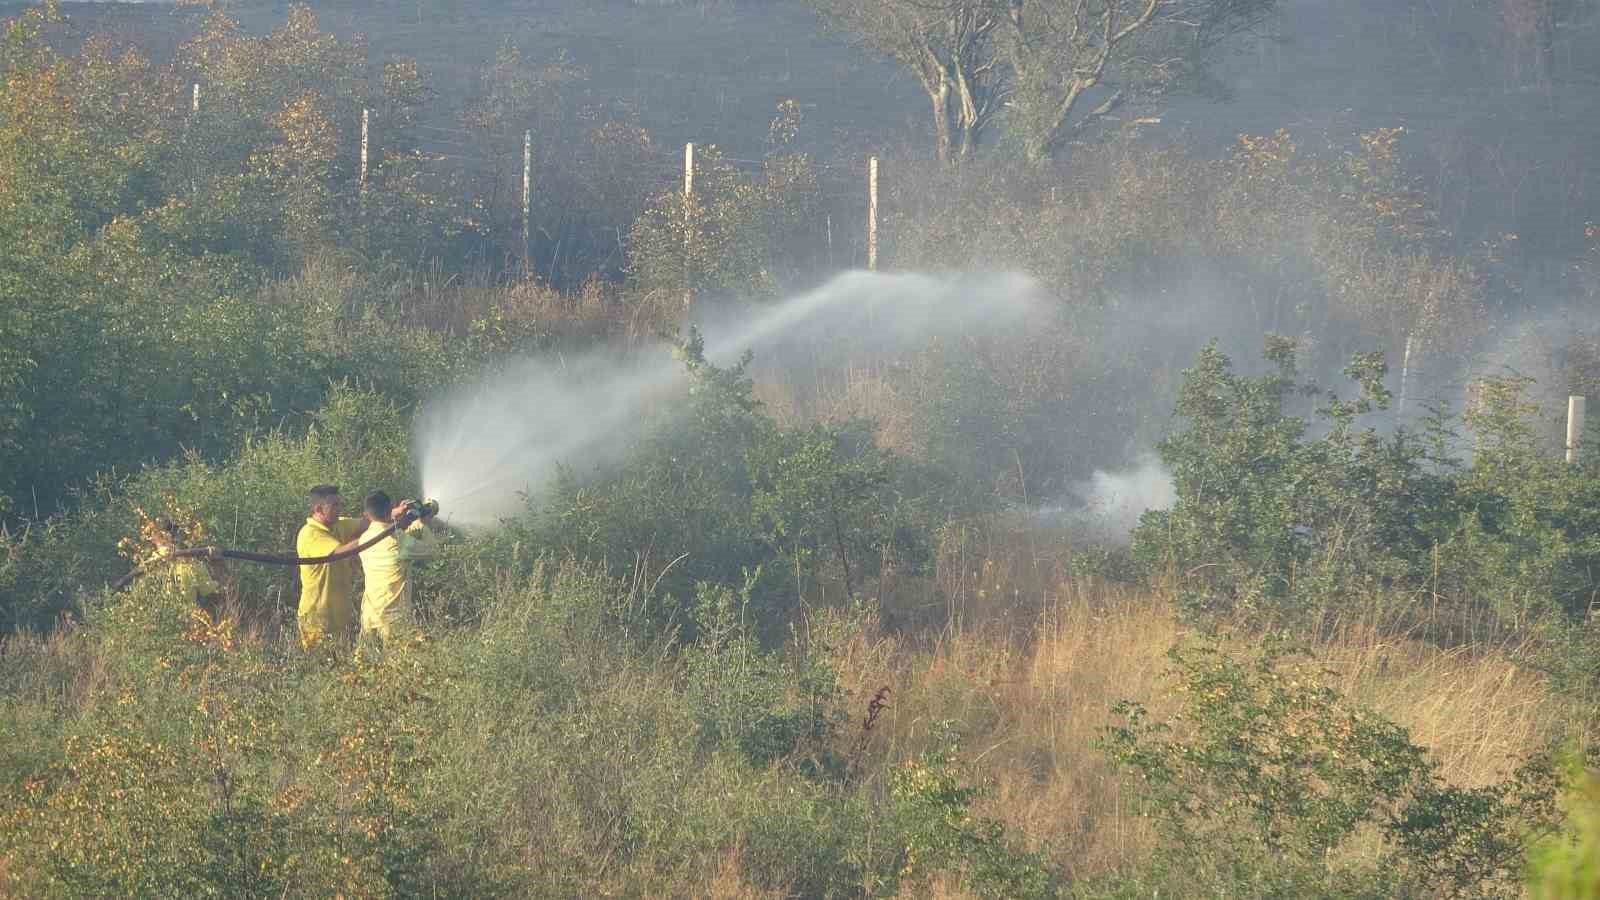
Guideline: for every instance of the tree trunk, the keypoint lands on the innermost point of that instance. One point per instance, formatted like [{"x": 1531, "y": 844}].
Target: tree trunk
[
  {"x": 968, "y": 124},
  {"x": 941, "y": 120}
]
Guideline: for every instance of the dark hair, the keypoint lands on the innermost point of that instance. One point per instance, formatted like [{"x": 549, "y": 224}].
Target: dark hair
[
  {"x": 322, "y": 493},
  {"x": 378, "y": 504}
]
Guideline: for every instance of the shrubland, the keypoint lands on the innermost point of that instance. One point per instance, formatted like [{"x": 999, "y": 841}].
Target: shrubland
[{"x": 813, "y": 636}]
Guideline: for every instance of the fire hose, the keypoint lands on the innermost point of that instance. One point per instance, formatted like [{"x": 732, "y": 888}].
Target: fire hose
[{"x": 413, "y": 511}]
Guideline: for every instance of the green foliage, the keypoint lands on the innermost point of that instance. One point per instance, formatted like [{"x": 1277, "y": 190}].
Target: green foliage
[
  {"x": 715, "y": 489},
  {"x": 1566, "y": 865},
  {"x": 1269, "y": 778},
  {"x": 205, "y": 312},
  {"x": 1527, "y": 540},
  {"x": 554, "y": 747},
  {"x": 736, "y": 236},
  {"x": 933, "y": 805},
  {"x": 172, "y": 783},
  {"x": 1272, "y": 522},
  {"x": 768, "y": 706},
  {"x": 821, "y": 493},
  {"x": 684, "y": 493},
  {"x": 1277, "y": 524}
]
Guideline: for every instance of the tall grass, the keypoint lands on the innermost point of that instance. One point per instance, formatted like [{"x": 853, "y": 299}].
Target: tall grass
[
  {"x": 1032, "y": 695},
  {"x": 561, "y": 751}
]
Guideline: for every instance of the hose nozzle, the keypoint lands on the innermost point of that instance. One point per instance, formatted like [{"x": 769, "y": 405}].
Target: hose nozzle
[{"x": 424, "y": 509}]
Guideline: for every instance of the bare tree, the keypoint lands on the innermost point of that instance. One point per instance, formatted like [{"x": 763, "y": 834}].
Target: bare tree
[
  {"x": 1072, "y": 62},
  {"x": 951, "y": 47},
  {"x": 1054, "y": 66}
]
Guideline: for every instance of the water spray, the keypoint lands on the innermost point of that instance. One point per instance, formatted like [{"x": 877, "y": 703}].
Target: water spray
[{"x": 486, "y": 447}]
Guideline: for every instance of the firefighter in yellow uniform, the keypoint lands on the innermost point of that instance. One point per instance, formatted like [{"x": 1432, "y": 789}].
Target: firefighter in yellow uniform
[
  {"x": 386, "y": 567},
  {"x": 327, "y": 602}
]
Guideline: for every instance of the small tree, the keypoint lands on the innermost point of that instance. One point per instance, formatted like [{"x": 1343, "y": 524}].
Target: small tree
[
  {"x": 818, "y": 493},
  {"x": 738, "y": 235}
]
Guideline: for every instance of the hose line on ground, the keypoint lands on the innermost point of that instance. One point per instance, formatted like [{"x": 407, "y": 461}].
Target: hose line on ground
[{"x": 276, "y": 559}]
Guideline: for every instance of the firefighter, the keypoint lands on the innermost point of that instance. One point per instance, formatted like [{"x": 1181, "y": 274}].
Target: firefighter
[
  {"x": 386, "y": 565},
  {"x": 327, "y": 605}
]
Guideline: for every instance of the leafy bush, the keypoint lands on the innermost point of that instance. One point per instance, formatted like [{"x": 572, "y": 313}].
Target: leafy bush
[
  {"x": 1280, "y": 525},
  {"x": 1271, "y": 779},
  {"x": 1269, "y": 521},
  {"x": 768, "y": 706},
  {"x": 1566, "y": 865},
  {"x": 717, "y": 489},
  {"x": 939, "y": 831}
]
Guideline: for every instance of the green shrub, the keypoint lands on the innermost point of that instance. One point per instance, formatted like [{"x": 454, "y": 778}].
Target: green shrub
[
  {"x": 767, "y": 705},
  {"x": 938, "y": 831},
  {"x": 1566, "y": 865},
  {"x": 715, "y": 488},
  {"x": 1283, "y": 526},
  {"x": 1269, "y": 521},
  {"x": 1271, "y": 779}
]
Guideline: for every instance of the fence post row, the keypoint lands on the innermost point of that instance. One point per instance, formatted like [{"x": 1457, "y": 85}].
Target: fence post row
[{"x": 688, "y": 194}]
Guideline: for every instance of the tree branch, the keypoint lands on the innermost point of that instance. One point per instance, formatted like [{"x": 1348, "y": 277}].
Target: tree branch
[
  {"x": 1111, "y": 103},
  {"x": 1143, "y": 20}
]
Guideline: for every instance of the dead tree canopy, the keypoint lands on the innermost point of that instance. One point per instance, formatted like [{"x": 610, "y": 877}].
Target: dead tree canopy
[
  {"x": 1072, "y": 62},
  {"x": 1055, "y": 67},
  {"x": 952, "y": 48}
]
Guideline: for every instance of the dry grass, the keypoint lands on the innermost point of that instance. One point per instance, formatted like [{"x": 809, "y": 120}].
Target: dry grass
[
  {"x": 1479, "y": 712},
  {"x": 855, "y": 391},
  {"x": 1032, "y": 701},
  {"x": 727, "y": 881}
]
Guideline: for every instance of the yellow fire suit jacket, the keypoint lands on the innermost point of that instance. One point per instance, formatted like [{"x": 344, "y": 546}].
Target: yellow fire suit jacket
[
  {"x": 386, "y": 568},
  {"x": 327, "y": 604}
]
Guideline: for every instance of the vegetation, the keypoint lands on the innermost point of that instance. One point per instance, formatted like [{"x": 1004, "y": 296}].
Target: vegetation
[
  {"x": 1057, "y": 67},
  {"x": 816, "y": 633}
]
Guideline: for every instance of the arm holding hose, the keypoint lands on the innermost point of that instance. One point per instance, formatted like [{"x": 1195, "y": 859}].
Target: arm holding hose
[
  {"x": 344, "y": 551},
  {"x": 405, "y": 513}
]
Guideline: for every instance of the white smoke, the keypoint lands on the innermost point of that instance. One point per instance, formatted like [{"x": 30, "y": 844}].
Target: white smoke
[{"x": 1114, "y": 500}]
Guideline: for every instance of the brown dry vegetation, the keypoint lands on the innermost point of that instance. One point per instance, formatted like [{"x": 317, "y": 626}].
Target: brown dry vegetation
[
  {"x": 1029, "y": 666},
  {"x": 1036, "y": 694}
]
